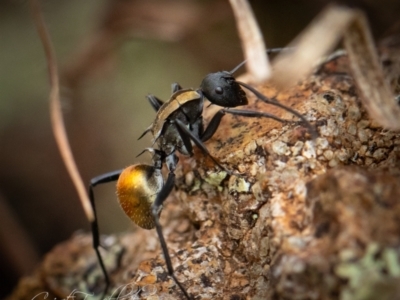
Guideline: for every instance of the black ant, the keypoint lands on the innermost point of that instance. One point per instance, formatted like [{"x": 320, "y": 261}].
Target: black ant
[{"x": 140, "y": 188}]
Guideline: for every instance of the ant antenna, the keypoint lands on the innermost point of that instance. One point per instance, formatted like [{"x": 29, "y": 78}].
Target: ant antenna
[{"x": 269, "y": 51}]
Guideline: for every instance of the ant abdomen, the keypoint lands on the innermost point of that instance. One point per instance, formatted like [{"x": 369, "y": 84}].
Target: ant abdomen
[{"x": 137, "y": 188}]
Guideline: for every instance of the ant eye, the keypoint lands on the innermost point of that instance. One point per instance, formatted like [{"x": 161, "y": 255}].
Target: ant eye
[{"x": 219, "y": 90}]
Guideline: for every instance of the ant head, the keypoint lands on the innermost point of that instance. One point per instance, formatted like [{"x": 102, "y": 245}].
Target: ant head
[{"x": 222, "y": 89}]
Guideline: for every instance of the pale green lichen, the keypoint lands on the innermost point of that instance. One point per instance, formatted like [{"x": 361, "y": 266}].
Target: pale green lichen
[
  {"x": 373, "y": 276},
  {"x": 239, "y": 185},
  {"x": 215, "y": 179},
  {"x": 392, "y": 262},
  {"x": 196, "y": 185}
]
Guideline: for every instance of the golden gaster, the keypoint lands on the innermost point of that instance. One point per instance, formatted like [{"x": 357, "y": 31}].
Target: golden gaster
[{"x": 137, "y": 189}]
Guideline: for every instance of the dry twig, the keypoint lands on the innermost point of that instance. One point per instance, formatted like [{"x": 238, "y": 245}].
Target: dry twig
[
  {"x": 252, "y": 41},
  {"x": 56, "y": 113},
  {"x": 319, "y": 39}
]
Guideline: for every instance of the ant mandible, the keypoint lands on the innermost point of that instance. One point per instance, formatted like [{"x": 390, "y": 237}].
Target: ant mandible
[{"x": 140, "y": 188}]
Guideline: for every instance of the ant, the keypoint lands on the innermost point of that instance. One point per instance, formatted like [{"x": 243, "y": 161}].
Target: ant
[{"x": 140, "y": 188}]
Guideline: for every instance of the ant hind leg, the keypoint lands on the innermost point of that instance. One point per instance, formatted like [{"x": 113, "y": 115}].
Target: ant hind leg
[
  {"x": 161, "y": 197},
  {"x": 104, "y": 178}
]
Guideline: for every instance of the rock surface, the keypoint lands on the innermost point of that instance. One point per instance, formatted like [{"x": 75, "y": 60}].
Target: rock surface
[{"x": 307, "y": 220}]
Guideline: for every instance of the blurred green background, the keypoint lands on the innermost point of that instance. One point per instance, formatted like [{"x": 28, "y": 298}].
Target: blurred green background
[{"x": 111, "y": 54}]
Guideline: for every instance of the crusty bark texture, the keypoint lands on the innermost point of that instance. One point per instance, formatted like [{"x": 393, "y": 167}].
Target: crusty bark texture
[{"x": 307, "y": 220}]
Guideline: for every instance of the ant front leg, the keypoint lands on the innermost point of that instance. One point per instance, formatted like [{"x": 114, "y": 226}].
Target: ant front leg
[
  {"x": 104, "y": 178},
  {"x": 171, "y": 161},
  {"x": 260, "y": 96},
  {"x": 216, "y": 120}
]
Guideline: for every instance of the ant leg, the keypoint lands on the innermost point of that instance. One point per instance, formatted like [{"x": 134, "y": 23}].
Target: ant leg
[
  {"x": 104, "y": 178},
  {"x": 254, "y": 114},
  {"x": 186, "y": 140},
  {"x": 175, "y": 87},
  {"x": 184, "y": 131},
  {"x": 216, "y": 120},
  {"x": 155, "y": 102},
  {"x": 212, "y": 126},
  {"x": 260, "y": 96},
  {"x": 161, "y": 197}
]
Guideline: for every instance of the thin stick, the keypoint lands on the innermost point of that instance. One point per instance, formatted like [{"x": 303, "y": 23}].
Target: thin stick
[
  {"x": 334, "y": 23},
  {"x": 55, "y": 110},
  {"x": 252, "y": 41}
]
